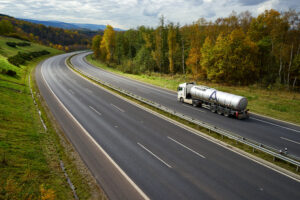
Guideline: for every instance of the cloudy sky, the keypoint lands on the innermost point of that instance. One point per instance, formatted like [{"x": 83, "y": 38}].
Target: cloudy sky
[{"x": 132, "y": 13}]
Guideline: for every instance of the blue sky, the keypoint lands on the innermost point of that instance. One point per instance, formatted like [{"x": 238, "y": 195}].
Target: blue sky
[{"x": 132, "y": 13}]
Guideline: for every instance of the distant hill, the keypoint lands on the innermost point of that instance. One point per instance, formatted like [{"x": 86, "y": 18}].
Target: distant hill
[
  {"x": 68, "y": 38},
  {"x": 64, "y": 25}
]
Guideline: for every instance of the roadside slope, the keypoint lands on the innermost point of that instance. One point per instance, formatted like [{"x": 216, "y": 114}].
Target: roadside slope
[{"x": 30, "y": 156}]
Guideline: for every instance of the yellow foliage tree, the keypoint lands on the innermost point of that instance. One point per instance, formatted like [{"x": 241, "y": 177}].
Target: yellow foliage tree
[
  {"x": 96, "y": 45},
  {"x": 157, "y": 53},
  {"x": 108, "y": 43},
  {"x": 194, "y": 57},
  {"x": 173, "y": 46}
]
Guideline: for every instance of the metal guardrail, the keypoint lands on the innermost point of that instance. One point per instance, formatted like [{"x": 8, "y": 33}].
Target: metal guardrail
[{"x": 255, "y": 145}]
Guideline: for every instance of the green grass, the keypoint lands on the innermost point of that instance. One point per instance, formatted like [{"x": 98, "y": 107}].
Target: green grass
[
  {"x": 8, "y": 51},
  {"x": 279, "y": 104},
  {"x": 29, "y": 155},
  {"x": 224, "y": 139}
]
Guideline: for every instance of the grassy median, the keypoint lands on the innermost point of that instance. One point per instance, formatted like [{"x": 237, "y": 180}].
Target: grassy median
[{"x": 276, "y": 103}]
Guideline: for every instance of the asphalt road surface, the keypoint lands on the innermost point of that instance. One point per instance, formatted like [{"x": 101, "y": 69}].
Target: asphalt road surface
[
  {"x": 162, "y": 159},
  {"x": 273, "y": 133}
]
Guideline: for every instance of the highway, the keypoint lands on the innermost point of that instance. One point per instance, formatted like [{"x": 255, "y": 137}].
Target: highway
[
  {"x": 274, "y": 133},
  {"x": 149, "y": 157}
]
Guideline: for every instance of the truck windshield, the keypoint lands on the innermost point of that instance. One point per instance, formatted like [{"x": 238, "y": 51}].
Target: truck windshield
[{"x": 179, "y": 88}]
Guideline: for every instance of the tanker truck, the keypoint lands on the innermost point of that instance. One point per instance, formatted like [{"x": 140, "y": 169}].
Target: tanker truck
[{"x": 216, "y": 101}]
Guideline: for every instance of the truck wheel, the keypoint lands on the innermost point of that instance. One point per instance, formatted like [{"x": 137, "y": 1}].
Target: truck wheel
[
  {"x": 181, "y": 99},
  {"x": 213, "y": 109},
  {"x": 219, "y": 111},
  {"x": 195, "y": 104},
  {"x": 226, "y": 113}
]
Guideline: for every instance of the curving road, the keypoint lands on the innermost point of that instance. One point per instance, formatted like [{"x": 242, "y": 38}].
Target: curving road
[
  {"x": 276, "y": 134},
  {"x": 161, "y": 160}
]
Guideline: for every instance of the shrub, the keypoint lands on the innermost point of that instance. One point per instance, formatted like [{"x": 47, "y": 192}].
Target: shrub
[
  {"x": 21, "y": 58},
  {"x": 11, "y": 73},
  {"x": 16, "y": 60},
  {"x": 3, "y": 71},
  {"x": 23, "y": 44},
  {"x": 11, "y": 44},
  {"x": 8, "y": 72}
]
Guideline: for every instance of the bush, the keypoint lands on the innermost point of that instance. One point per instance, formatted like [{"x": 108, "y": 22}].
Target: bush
[
  {"x": 11, "y": 73},
  {"x": 11, "y": 44},
  {"x": 3, "y": 71},
  {"x": 21, "y": 58},
  {"x": 16, "y": 60},
  {"x": 23, "y": 44},
  {"x": 8, "y": 72}
]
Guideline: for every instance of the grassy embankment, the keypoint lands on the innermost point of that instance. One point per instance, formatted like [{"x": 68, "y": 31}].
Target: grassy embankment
[
  {"x": 275, "y": 103},
  {"x": 29, "y": 155}
]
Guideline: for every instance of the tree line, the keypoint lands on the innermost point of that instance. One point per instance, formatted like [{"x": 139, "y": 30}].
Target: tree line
[{"x": 238, "y": 50}]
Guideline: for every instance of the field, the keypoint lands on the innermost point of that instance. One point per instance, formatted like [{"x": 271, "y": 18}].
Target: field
[
  {"x": 29, "y": 155},
  {"x": 279, "y": 104}
]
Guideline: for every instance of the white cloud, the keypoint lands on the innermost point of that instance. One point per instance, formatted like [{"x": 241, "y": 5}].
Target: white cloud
[{"x": 132, "y": 13}]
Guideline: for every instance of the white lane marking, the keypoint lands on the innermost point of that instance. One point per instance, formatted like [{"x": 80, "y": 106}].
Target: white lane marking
[
  {"x": 193, "y": 108},
  {"x": 158, "y": 158},
  {"x": 135, "y": 186},
  {"x": 289, "y": 140},
  {"x": 198, "y": 154},
  {"x": 121, "y": 110},
  {"x": 71, "y": 91},
  {"x": 275, "y": 124},
  {"x": 95, "y": 110}
]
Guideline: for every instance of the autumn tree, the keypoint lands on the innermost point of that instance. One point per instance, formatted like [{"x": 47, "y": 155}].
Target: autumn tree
[
  {"x": 107, "y": 45},
  {"x": 242, "y": 59},
  {"x": 196, "y": 38},
  {"x": 173, "y": 46},
  {"x": 96, "y": 45},
  {"x": 207, "y": 55},
  {"x": 157, "y": 52},
  {"x": 218, "y": 70}
]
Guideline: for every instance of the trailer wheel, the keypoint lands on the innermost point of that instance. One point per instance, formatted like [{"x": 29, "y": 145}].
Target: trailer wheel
[
  {"x": 226, "y": 113},
  {"x": 213, "y": 109},
  {"x": 219, "y": 111}
]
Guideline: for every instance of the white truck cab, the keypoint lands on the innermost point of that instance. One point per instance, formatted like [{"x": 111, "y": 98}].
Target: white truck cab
[{"x": 182, "y": 94}]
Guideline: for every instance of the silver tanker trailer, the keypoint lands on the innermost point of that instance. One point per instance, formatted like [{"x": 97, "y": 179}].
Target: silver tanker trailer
[{"x": 214, "y": 100}]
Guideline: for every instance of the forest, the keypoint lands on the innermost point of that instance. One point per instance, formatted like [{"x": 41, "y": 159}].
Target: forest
[
  {"x": 67, "y": 40},
  {"x": 236, "y": 50}
]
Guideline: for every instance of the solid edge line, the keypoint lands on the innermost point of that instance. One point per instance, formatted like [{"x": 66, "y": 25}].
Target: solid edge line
[
  {"x": 193, "y": 151},
  {"x": 94, "y": 141},
  {"x": 156, "y": 156},
  {"x": 273, "y": 124},
  {"x": 279, "y": 120},
  {"x": 290, "y": 140},
  {"x": 233, "y": 149}
]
